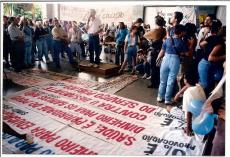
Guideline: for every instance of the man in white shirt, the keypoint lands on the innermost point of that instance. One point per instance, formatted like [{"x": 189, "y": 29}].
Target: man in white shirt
[
  {"x": 203, "y": 33},
  {"x": 192, "y": 93},
  {"x": 74, "y": 36},
  {"x": 93, "y": 29},
  {"x": 16, "y": 36}
]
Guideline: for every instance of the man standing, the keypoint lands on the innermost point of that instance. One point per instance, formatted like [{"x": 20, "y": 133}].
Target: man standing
[
  {"x": 74, "y": 36},
  {"x": 16, "y": 36},
  {"x": 60, "y": 43},
  {"x": 94, "y": 28},
  {"x": 6, "y": 41}
]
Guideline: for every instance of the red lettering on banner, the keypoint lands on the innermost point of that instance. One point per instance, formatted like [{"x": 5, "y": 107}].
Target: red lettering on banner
[
  {"x": 80, "y": 90},
  {"x": 67, "y": 94},
  {"x": 16, "y": 120},
  {"x": 86, "y": 112},
  {"x": 71, "y": 106},
  {"x": 20, "y": 99},
  {"x": 116, "y": 135},
  {"x": 147, "y": 109},
  {"x": 117, "y": 100},
  {"x": 73, "y": 148},
  {"x": 119, "y": 123},
  {"x": 32, "y": 93},
  {"x": 35, "y": 104},
  {"x": 43, "y": 134}
]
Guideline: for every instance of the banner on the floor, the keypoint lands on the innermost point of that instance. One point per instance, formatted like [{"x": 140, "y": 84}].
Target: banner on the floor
[
  {"x": 26, "y": 79},
  {"x": 115, "y": 85},
  {"x": 48, "y": 74},
  {"x": 96, "y": 123}
]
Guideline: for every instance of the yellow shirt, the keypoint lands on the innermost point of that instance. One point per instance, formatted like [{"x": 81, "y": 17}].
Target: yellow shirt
[{"x": 58, "y": 32}]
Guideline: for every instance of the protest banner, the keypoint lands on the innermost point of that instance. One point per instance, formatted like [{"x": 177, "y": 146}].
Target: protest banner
[
  {"x": 101, "y": 123},
  {"x": 26, "y": 79},
  {"x": 115, "y": 85}
]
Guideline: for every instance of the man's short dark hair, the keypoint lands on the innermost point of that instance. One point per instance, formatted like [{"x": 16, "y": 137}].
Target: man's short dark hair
[
  {"x": 11, "y": 19},
  {"x": 212, "y": 16},
  {"x": 215, "y": 27},
  {"x": 179, "y": 16},
  {"x": 139, "y": 20},
  {"x": 160, "y": 21},
  {"x": 179, "y": 29}
]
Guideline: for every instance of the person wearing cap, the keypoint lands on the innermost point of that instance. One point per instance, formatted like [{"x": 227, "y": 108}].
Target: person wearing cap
[
  {"x": 94, "y": 28},
  {"x": 74, "y": 36}
]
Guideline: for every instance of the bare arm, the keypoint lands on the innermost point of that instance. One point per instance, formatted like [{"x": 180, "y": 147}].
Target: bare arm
[
  {"x": 203, "y": 44},
  {"x": 214, "y": 55},
  {"x": 161, "y": 54}
]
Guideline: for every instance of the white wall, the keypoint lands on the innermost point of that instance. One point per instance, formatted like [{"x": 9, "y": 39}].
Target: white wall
[{"x": 221, "y": 14}]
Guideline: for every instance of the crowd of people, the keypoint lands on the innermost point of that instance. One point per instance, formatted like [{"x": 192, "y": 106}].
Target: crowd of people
[{"x": 180, "y": 61}]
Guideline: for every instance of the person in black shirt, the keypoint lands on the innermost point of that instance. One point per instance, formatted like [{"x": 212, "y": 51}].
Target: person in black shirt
[
  {"x": 214, "y": 52},
  {"x": 6, "y": 41},
  {"x": 40, "y": 37}
]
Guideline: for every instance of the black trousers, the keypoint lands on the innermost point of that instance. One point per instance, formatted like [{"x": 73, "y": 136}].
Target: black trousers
[
  {"x": 17, "y": 55},
  {"x": 7, "y": 129}
]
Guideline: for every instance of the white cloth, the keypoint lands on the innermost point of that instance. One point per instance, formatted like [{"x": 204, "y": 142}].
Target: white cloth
[
  {"x": 200, "y": 36},
  {"x": 132, "y": 40},
  {"x": 94, "y": 25},
  {"x": 192, "y": 93},
  {"x": 14, "y": 32},
  {"x": 75, "y": 36},
  {"x": 176, "y": 112}
]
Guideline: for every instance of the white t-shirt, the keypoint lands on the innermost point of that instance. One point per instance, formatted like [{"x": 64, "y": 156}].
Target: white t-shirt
[
  {"x": 94, "y": 25},
  {"x": 200, "y": 36},
  {"x": 192, "y": 93},
  {"x": 132, "y": 40}
]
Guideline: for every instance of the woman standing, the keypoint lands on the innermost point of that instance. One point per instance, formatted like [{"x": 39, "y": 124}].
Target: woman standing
[
  {"x": 171, "y": 51},
  {"x": 120, "y": 42},
  {"x": 132, "y": 42}
]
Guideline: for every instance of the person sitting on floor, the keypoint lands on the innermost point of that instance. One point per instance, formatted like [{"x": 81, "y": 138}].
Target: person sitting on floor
[{"x": 143, "y": 66}]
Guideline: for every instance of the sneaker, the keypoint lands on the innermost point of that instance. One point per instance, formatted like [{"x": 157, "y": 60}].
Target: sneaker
[
  {"x": 159, "y": 99},
  {"x": 149, "y": 78},
  {"x": 144, "y": 76},
  {"x": 90, "y": 64},
  {"x": 96, "y": 66},
  {"x": 168, "y": 102},
  {"x": 29, "y": 138}
]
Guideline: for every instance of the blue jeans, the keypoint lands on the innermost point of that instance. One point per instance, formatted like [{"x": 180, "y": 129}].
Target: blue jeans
[
  {"x": 49, "y": 42},
  {"x": 131, "y": 56},
  {"x": 42, "y": 48},
  {"x": 204, "y": 72},
  {"x": 119, "y": 52},
  {"x": 168, "y": 74},
  {"x": 94, "y": 46},
  {"x": 143, "y": 68},
  {"x": 60, "y": 47},
  {"x": 28, "y": 52}
]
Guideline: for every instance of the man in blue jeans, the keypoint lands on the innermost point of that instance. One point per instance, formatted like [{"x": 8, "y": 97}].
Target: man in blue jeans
[
  {"x": 60, "y": 44},
  {"x": 172, "y": 49},
  {"x": 94, "y": 28}
]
